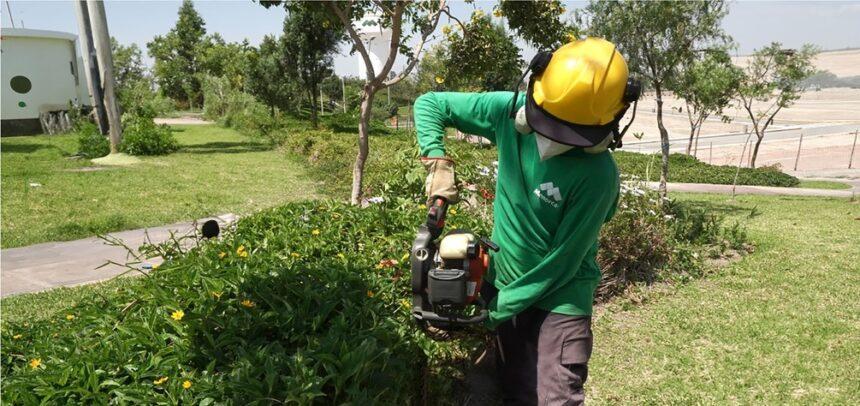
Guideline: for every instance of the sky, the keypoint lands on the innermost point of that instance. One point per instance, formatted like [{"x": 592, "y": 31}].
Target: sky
[{"x": 752, "y": 24}]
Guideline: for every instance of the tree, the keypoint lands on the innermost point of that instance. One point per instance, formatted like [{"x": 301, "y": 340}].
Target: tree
[
  {"x": 309, "y": 43},
  {"x": 127, "y": 64},
  {"x": 486, "y": 56},
  {"x": 267, "y": 77},
  {"x": 657, "y": 38},
  {"x": 707, "y": 85},
  {"x": 538, "y": 22},
  {"x": 175, "y": 54},
  {"x": 217, "y": 57},
  {"x": 407, "y": 21},
  {"x": 773, "y": 80}
]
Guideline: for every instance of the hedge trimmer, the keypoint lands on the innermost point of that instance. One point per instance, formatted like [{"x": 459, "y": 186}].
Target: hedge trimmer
[{"x": 446, "y": 276}]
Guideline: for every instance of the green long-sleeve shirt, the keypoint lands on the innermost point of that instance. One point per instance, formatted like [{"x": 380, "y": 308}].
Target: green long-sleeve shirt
[{"x": 547, "y": 214}]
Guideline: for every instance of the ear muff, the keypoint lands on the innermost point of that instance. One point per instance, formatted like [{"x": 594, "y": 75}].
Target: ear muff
[
  {"x": 540, "y": 62},
  {"x": 632, "y": 90}
]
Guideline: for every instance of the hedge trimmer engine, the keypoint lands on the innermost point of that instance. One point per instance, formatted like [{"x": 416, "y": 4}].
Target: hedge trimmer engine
[{"x": 446, "y": 276}]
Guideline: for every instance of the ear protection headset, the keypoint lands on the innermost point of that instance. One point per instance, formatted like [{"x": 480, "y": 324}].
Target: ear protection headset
[{"x": 632, "y": 91}]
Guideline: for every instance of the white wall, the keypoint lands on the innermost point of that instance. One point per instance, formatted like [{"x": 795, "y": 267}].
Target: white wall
[{"x": 48, "y": 63}]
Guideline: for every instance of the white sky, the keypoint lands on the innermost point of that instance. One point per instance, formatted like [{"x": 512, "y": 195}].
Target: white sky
[{"x": 831, "y": 25}]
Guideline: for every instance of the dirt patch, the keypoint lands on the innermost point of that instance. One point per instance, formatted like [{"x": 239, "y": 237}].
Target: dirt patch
[
  {"x": 184, "y": 120},
  {"x": 88, "y": 169}
]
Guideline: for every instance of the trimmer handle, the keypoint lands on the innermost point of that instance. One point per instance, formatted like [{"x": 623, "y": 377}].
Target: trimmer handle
[{"x": 436, "y": 213}]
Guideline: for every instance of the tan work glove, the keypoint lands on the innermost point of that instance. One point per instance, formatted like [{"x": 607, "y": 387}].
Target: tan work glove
[{"x": 440, "y": 179}]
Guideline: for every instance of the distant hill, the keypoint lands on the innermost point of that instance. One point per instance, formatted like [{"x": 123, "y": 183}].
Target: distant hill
[{"x": 842, "y": 63}]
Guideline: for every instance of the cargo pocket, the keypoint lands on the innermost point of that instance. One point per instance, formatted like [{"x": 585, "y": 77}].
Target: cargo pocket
[{"x": 575, "y": 353}]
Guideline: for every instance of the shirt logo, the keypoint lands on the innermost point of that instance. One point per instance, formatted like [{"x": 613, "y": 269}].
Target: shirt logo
[{"x": 546, "y": 191}]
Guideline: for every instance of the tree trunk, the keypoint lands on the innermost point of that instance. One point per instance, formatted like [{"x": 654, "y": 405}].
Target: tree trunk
[
  {"x": 664, "y": 142},
  {"x": 759, "y": 138},
  {"x": 692, "y": 135},
  {"x": 314, "y": 117},
  {"x": 696, "y": 145},
  {"x": 272, "y": 110},
  {"x": 363, "y": 147}
]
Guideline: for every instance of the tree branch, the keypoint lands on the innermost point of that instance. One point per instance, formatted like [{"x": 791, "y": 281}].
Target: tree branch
[
  {"x": 416, "y": 53},
  {"x": 356, "y": 39},
  {"x": 394, "y": 43}
]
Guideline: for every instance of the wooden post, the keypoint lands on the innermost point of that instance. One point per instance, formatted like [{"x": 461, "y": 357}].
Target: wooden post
[
  {"x": 343, "y": 92},
  {"x": 851, "y": 160},
  {"x": 101, "y": 40},
  {"x": 711, "y": 154},
  {"x": 799, "y": 144},
  {"x": 91, "y": 66}
]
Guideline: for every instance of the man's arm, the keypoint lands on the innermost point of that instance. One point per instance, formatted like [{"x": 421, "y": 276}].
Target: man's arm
[
  {"x": 472, "y": 113},
  {"x": 586, "y": 213}
]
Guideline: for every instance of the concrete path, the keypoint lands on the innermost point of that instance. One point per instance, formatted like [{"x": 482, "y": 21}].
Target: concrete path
[
  {"x": 53, "y": 264},
  {"x": 753, "y": 190}
]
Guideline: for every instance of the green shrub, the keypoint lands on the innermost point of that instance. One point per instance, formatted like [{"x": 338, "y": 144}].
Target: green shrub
[
  {"x": 141, "y": 136},
  {"x": 687, "y": 169},
  {"x": 138, "y": 99},
  {"x": 91, "y": 143},
  {"x": 295, "y": 306}
]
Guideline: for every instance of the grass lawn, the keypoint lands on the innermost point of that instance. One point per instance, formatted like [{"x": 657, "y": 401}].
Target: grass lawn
[
  {"x": 780, "y": 326},
  {"x": 823, "y": 184},
  {"x": 216, "y": 171}
]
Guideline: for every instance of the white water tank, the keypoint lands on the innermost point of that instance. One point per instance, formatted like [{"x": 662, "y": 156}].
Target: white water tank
[
  {"x": 376, "y": 40},
  {"x": 40, "y": 73}
]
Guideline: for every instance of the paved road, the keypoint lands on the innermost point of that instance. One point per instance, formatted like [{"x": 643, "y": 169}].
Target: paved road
[
  {"x": 754, "y": 190},
  {"x": 49, "y": 265},
  {"x": 680, "y": 144}
]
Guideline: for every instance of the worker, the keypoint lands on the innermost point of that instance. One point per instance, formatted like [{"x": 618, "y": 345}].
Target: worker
[{"x": 557, "y": 185}]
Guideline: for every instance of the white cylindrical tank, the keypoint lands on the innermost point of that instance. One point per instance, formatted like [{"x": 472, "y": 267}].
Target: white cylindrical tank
[
  {"x": 376, "y": 40},
  {"x": 40, "y": 73}
]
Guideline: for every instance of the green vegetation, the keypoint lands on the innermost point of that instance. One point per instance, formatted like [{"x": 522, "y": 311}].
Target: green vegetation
[
  {"x": 91, "y": 143},
  {"x": 687, "y": 169},
  {"x": 774, "y": 328},
  {"x": 49, "y": 196},
  {"x": 823, "y": 184},
  {"x": 141, "y": 136}
]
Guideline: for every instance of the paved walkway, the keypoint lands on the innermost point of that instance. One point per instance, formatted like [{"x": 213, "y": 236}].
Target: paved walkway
[
  {"x": 53, "y": 264},
  {"x": 754, "y": 190}
]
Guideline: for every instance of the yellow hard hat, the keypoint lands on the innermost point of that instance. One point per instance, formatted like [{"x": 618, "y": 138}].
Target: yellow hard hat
[{"x": 578, "y": 93}]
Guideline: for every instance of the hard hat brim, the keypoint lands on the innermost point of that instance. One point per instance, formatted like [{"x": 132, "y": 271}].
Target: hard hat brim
[{"x": 563, "y": 132}]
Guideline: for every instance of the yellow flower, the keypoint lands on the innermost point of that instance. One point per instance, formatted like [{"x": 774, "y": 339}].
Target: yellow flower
[
  {"x": 316, "y": 231},
  {"x": 405, "y": 303},
  {"x": 177, "y": 315},
  {"x": 341, "y": 256},
  {"x": 35, "y": 362},
  {"x": 70, "y": 317},
  {"x": 295, "y": 255},
  {"x": 16, "y": 336},
  {"x": 160, "y": 381},
  {"x": 477, "y": 14},
  {"x": 440, "y": 80},
  {"x": 217, "y": 295},
  {"x": 186, "y": 384},
  {"x": 156, "y": 266},
  {"x": 370, "y": 293},
  {"x": 243, "y": 254},
  {"x": 325, "y": 24},
  {"x": 498, "y": 13},
  {"x": 446, "y": 29},
  {"x": 452, "y": 211},
  {"x": 248, "y": 303},
  {"x": 240, "y": 250},
  {"x": 222, "y": 254},
  {"x": 404, "y": 257}
]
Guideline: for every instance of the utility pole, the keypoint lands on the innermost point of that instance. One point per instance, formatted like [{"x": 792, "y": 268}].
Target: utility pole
[
  {"x": 799, "y": 144},
  {"x": 101, "y": 39},
  {"x": 851, "y": 160},
  {"x": 91, "y": 67},
  {"x": 9, "y": 9}
]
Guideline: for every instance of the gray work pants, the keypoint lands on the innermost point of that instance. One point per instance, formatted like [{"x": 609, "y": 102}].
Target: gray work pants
[{"x": 542, "y": 358}]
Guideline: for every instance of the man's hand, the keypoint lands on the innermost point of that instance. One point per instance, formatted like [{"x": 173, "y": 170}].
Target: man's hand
[{"x": 440, "y": 179}]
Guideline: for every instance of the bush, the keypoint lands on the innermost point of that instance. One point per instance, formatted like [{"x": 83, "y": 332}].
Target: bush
[
  {"x": 687, "y": 169},
  {"x": 307, "y": 303},
  {"x": 138, "y": 99},
  {"x": 141, "y": 136},
  {"x": 91, "y": 143}
]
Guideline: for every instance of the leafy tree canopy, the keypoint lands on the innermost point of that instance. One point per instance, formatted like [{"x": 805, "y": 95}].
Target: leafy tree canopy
[
  {"x": 540, "y": 23},
  {"x": 175, "y": 55},
  {"x": 484, "y": 57}
]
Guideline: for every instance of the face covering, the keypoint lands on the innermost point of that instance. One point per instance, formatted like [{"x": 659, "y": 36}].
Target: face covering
[{"x": 548, "y": 148}]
